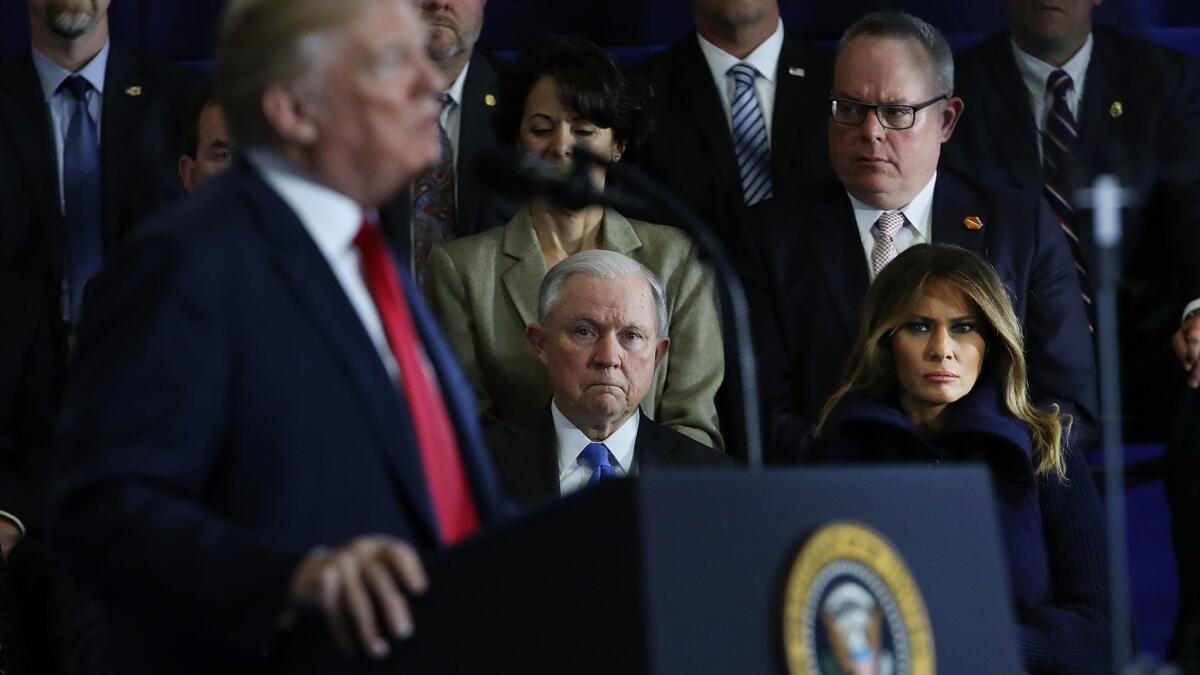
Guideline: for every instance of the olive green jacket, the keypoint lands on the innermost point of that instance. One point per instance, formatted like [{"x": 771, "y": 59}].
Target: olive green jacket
[{"x": 484, "y": 288}]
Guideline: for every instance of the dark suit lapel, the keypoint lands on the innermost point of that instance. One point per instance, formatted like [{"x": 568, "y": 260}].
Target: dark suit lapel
[
  {"x": 28, "y": 120},
  {"x": 1011, "y": 118},
  {"x": 1099, "y": 129},
  {"x": 832, "y": 235},
  {"x": 475, "y": 136},
  {"x": 653, "y": 446},
  {"x": 794, "y": 91},
  {"x": 318, "y": 291},
  {"x": 696, "y": 84},
  {"x": 953, "y": 205},
  {"x": 125, "y": 96},
  {"x": 528, "y": 457}
]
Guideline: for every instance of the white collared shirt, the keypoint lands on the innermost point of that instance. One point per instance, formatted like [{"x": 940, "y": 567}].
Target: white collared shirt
[
  {"x": 574, "y": 474},
  {"x": 62, "y": 105},
  {"x": 332, "y": 220},
  {"x": 1035, "y": 72},
  {"x": 451, "y": 119},
  {"x": 764, "y": 58},
  {"x": 918, "y": 225}
]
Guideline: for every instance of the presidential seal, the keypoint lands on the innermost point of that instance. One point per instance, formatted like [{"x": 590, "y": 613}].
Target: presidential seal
[{"x": 851, "y": 607}]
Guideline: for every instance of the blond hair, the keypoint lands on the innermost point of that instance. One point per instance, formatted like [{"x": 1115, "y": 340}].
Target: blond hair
[
  {"x": 269, "y": 42},
  {"x": 891, "y": 300}
]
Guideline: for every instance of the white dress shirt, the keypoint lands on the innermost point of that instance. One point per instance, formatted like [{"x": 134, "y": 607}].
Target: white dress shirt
[
  {"x": 332, "y": 220},
  {"x": 452, "y": 115},
  {"x": 1035, "y": 73},
  {"x": 62, "y": 104},
  {"x": 574, "y": 474},
  {"x": 764, "y": 58},
  {"x": 918, "y": 221}
]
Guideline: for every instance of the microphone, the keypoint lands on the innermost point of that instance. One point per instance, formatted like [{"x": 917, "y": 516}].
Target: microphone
[{"x": 510, "y": 172}]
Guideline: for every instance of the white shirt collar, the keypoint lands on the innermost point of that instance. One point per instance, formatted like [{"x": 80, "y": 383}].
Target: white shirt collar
[
  {"x": 571, "y": 441},
  {"x": 331, "y": 218},
  {"x": 918, "y": 211},
  {"x": 456, "y": 87},
  {"x": 1035, "y": 72},
  {"x": 764, "y": 58},
  {"x": 52, "y": 75}
]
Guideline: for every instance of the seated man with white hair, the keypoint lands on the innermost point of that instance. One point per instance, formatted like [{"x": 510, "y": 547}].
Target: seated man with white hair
[{"x": 601, "y": 332}]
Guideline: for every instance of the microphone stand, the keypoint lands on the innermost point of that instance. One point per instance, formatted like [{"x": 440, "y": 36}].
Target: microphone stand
[
  {"x": 575, "y": 189},
  {"x": 1106, "y": 198}
]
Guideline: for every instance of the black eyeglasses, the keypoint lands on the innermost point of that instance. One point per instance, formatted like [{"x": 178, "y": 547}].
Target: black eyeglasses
[{"x": 890, "y": 115}]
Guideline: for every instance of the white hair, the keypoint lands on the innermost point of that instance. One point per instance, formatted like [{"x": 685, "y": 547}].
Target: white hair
[{"x": 603, "y": 265}]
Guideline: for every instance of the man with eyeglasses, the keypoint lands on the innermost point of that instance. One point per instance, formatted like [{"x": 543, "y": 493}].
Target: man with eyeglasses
[{"x": 809, "y": 260}]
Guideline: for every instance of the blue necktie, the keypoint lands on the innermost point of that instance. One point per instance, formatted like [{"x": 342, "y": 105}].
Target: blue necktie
[
  {"x": 81, "y": 192},
  {"x": 595, "y": 455},
  {"x": 750, "y": 144}
]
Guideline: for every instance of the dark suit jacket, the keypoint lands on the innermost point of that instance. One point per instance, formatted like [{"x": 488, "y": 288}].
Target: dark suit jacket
[
  {"x": 146, "y": 110},
  {"x": 691, "y": 149},
  {"x": 1052, "y": 529},
  {"x": 525, "y": 452},
  {"x": 227, "y": 413},
  {"x": 806, "y": 277},
  {"x": 1152, "y": 146},
  {"x": 477, "y": 210}
]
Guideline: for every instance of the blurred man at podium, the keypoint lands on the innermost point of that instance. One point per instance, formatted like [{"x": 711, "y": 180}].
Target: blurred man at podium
[
  {"x": 601, "y": 332},
  {"x": 263, "y": 416}
]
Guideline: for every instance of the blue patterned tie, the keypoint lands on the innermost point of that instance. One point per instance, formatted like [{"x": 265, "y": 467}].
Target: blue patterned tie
[
  {"x": 750, "y": 143},
  {"x": 433, "y": 202},
  {"x": 595, "y": 455},
  {"x": 1058, "y": 145},
  {"x": 81, "y": 192}
]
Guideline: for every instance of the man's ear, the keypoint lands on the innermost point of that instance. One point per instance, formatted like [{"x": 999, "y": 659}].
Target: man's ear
[
  {"x": 660, "y": 350},
  {"x": 950, "y": 116},
  {"x": 187, "y": 167},
  {"x": 289, "y": 115},
  {"x": 537, "y": 334}
]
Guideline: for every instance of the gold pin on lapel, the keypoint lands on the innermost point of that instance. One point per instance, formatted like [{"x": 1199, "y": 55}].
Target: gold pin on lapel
[
  {"x": 973, "y": 223},
  {"x": 1116, "y": 109},
  {"x": 135, "y": 90},
  {"x": 798, "y": 72},
  {"x": 490, "y": 100}
]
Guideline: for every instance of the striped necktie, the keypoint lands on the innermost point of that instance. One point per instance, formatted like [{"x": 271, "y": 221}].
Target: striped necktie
[
  {"x": 750, "y": 144},
  {"x": 1058, "y": 144}
]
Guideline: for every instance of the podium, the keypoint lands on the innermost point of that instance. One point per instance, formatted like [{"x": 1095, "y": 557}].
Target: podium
[{"x": 685, "y": 572}]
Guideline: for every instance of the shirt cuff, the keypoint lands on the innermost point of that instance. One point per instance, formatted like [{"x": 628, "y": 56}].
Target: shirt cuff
[
  {"x": 15, "y": 521},
  {"x": 1191, "y": 307}
]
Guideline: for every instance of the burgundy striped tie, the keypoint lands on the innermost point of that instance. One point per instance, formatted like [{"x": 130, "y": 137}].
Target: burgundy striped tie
[{"x": 1058, "y": 143}]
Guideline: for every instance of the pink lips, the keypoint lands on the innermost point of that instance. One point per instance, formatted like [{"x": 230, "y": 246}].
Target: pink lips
[{"x": 941, "y": 376}]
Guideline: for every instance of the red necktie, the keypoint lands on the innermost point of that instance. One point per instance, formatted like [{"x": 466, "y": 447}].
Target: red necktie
[{"x": 444, "y": 474}]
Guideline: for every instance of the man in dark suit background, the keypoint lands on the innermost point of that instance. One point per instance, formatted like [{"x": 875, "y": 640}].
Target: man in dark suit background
[
  {"x": 1056, "y": 89},
  {"x": 447, "y": 201},
  {"x": 809, "y": 262},
  {"x": 262, "y": 416},
  {"x": 91, "y": 183},
  {"x": 738, "y": 111},
  {"x": 601, "y": 332}
]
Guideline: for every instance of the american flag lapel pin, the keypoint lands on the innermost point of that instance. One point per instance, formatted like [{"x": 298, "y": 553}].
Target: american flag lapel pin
[{"x": 796, "y": 71}]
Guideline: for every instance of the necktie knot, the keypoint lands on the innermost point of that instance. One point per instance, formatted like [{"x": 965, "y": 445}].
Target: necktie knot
[
  {"x": 595, "y": 456},
  {"x": 888, "y": 224},
  {"x": 743, "y": 73},
  {"x": 1058, "y": 82},
  {"x": 77, "y": 86}
]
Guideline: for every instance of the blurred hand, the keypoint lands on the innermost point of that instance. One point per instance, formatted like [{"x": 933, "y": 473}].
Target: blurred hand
[
  {"x": 10, "y": 536},
  {"x": 1187, "y": 347},
  {"x": 361, "y": 590}
]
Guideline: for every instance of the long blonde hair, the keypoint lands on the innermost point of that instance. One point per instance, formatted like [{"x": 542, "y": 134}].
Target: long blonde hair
[{"x": 890, "y": 301}]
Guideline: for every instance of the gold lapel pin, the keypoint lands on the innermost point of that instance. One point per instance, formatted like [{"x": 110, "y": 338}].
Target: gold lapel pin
[
  {"x": 135, "y": 90},
  {"x": 973, "y": 223},
  {"x": 1116, "y": 109},
  {"x": 798, "y": 72},
  {"x": 490, "y": 100}
]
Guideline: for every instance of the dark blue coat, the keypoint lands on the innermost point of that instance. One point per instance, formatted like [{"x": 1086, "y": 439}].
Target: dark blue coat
[
  {"x": 227, "y": 413},
  {"x": 1051, "y": 530}
]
